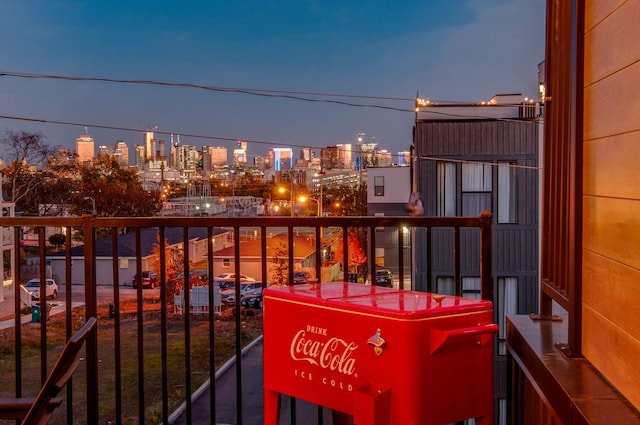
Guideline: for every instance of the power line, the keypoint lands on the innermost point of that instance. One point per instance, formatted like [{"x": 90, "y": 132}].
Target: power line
[{"x": 286, "y": 94}]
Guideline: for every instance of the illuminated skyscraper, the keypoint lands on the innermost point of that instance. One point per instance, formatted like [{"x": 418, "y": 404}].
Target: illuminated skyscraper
[
  {"x": 281, "y": 158},
  {"x": 149, "y": 146},
  {"x": 122, "y": 153},
  {"x": 85, "y": 148}
]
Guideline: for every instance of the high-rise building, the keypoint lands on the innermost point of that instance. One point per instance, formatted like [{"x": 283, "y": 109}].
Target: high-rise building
[
  {"x": 140, "y": 151},
  {"x": 85, "y": 149},
  {"x": 239, "y": 156},
  {"x": 281, "y": 158},
  {"x": 122, "y": 153},
  {"x": 404, "y": 158},
  {"x": 104, "y": 150},
  {"x": 149, "y": 146},
  {"x": 384, "y": 158},
  {"x": 213, "y": 156}
]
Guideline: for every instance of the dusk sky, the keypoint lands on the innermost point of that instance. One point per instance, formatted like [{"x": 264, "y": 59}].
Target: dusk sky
[{"x": 447, "y": 50}]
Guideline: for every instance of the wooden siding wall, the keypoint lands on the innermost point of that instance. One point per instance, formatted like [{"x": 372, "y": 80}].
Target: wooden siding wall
[{"x": 611, "y": 200}]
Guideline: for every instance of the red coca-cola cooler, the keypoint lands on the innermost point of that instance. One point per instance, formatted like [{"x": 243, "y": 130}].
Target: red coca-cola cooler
[{"x": 382, "y": 355}]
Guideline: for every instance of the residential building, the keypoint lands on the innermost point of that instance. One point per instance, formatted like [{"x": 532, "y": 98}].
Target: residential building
[
  {"x": 252, "y": 260},
  {"x": 127, "y": 255},
  {"x": 470, "y": 158},
  {"x": 388, "y": 192},
  {"x": 8, "y": 209}
]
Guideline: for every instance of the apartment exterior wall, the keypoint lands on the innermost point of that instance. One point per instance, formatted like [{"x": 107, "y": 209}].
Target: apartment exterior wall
[
  {"x": 611, "y": 193},
  {"x": 390, "y": 201},
  {"x": 510, "y": 143}
]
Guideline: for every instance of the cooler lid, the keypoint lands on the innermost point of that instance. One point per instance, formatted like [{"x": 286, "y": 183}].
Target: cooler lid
[{"x": 372, "y": 299}]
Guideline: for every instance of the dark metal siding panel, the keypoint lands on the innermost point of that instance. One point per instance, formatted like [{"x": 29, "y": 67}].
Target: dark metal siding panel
[
  {"x": 477, "y": 138},
  {"x": 470, "y": 252},
  {"x": 442, "y": 251},
  {"x": 515, "y": 249},
  {"x": 528, "y": 294},
  {"x": 500, "y": 374}
]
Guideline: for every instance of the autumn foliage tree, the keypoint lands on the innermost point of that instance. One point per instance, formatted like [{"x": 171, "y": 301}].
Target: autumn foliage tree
[
  {"x": 117, "y": 191},
  {"x": 280, "y": 268},
  {"x": 357, "y": 256}
]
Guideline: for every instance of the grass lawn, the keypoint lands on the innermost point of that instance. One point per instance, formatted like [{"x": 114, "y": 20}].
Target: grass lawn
[{"x": 152, "y": 367}]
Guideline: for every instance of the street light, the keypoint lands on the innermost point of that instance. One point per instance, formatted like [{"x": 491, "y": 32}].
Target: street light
[
  {"x": 93, "y": 205},
  {"x": 283, "y": 190},
  {"x": 318, "y": 202}
]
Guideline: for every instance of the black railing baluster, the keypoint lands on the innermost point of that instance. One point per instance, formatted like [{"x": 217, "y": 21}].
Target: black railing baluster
[
  {"x": 236, "y": 259},
  {"x": 456, "y": 262},
  {"x": 139, "y": 318},
  {"x": 400, "y": 230},
  {"x": 187, "y": 322},
  {"x": 17, "y": 317},
  {"x": 212, "y": 334},
  {"x": 91, "y": 310},
  {"x": 43, "y": 304},
  {"x": 68, "y": 316},
  {"x": 117, "y": 346},
  {"x": 163, "y": 324}
]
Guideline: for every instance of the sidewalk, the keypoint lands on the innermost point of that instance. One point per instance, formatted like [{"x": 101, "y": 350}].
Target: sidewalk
[
  {"x": 252, "y": 393},
  {"x": 7, "y": 308}
]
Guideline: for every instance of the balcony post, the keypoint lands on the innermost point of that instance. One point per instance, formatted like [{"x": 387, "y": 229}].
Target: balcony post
[
  {"x": 485, "y": 256},
  {"x": 91, "y": 300}
]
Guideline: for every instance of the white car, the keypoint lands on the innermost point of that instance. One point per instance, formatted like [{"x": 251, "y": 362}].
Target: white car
[
  {"x": 232, "y": 277},
  {"x": 33, "y": 287},
  {"x": 229, "y": 295}
]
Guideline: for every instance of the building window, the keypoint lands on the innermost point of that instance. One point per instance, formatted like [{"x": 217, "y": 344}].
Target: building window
[
  {"x": 476, "y": 188},
  {"x": 378, "y": 185},
  {"x": 446, "y": 189},
  {"x": 226, "y": 263},
  {"x": 471, "y": 287},
  {"x": 507, "y": 304},
  {"x": 445, "y": 285},
  {"x": 507, "y": 192}
]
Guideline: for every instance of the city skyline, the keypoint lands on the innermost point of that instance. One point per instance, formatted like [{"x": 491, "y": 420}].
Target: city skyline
[{"x": 270, "y": 75}]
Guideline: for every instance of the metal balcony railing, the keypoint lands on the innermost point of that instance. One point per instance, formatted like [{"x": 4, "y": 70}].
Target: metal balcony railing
[{"x": 98, "y": 396}]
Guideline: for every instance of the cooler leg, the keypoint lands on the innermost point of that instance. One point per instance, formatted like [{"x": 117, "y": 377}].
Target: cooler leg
[{"x": 271, "y": 407}]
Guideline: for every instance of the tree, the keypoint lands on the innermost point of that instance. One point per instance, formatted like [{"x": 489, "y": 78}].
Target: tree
[
  {"x": 23, "y": 174},
  {"x": 117, "y": 191},
  {"x": 357, "y": 255},
  {"x": 280, "y": 268},
  {"x": 352, "y": 200},
  {"x": 57, "y": 239}
]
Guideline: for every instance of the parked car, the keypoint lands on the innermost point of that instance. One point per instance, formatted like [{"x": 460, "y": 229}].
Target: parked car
[
  {"x": 149, "y": 280},
  {"x": 384, "y": 277},
  {"x": 33, "y": 287},
  {"x": 228, "y": 295},
  {"x": 253, "y": 300},
  {"x": 232, "y": 276},
  {"x": 300, "y": 277}
]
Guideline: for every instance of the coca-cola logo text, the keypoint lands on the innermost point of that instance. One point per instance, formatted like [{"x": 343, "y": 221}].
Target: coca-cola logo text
[{"x": 334, "y": 354}]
